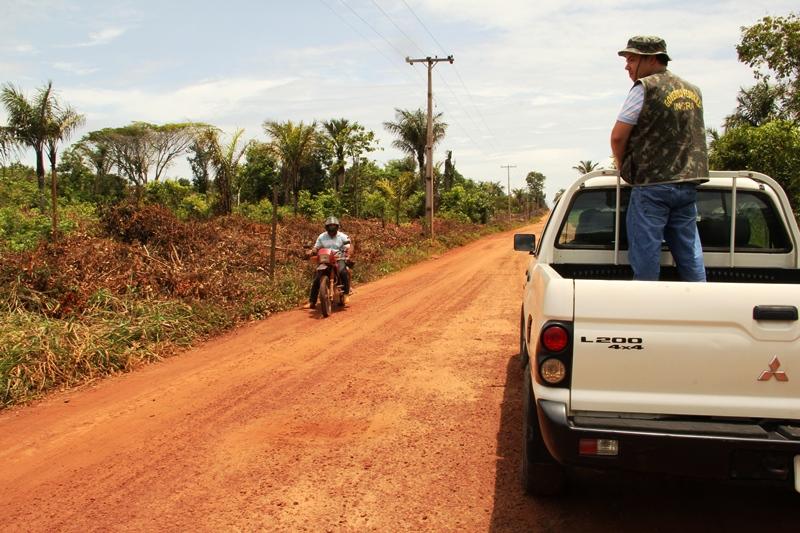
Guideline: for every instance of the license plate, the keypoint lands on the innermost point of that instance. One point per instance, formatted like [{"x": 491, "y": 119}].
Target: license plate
[{"x": 797, "y": 473}]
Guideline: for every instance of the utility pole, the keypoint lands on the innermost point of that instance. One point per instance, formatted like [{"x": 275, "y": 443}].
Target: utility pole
[
  {"x": 431, "y": 61},
  {"x": 508, "y": 168}
]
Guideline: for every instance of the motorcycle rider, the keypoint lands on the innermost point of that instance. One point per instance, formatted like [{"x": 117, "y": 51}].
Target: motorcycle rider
[{"x": 337, "y": 240}]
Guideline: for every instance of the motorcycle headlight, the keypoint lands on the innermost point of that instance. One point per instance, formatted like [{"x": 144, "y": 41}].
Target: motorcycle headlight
[{"x": 325, "y": 258}]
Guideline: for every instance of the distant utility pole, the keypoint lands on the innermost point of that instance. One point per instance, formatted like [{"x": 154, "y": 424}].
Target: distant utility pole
[
  {"x": 431, "y": 61},
  {"x": 508, "y": 168}
]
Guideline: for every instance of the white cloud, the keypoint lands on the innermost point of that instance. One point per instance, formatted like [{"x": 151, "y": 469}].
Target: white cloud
[
  {"x": 101, "y": 37},
  {"x": 209, "y": 100},
  {"x": 74, "y": 68},
  {"x": 22, "y": 48}
]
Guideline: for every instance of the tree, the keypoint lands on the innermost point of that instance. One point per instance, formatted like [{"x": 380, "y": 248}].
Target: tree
[
  {"x": 584, "y": 167},
  {"x": 225, "y": 162},
  {"x": 411, "y": 130},
  {"x": 293, "y": 145},
  {"x": 341, "y": 140},
  {"x": 259, "y": 174},
  {"x": 337, "y": 133},
  {"x": 27, "y": 125},
  {"x": 449, "y": 171},
  {"x": 129, "y": 150},
  {"x": 772, "y": 148},
  {"x": 141, "y": 147},
  {"x": 535, "y": 181},
  {"x": 772, "y": 48},
  {"x": 756, "y": 106},
  {"x": 397, "y": 189},
  {"x": 61, "y": 124},
  {"x": 170, "y": 141},
  {"x": 200, "y": 162},
  {"x": 6, "y": 144}
]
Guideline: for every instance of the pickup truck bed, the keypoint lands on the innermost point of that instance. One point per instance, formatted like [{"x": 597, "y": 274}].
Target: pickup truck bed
[{"x": 670, "y": 273}]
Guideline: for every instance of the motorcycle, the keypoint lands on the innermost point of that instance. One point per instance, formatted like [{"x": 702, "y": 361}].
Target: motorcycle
[{"x": 331, "y": 290}]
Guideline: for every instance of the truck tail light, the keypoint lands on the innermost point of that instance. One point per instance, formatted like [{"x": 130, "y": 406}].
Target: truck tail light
[
  {"x": 554, "y": 354},
  {"x": 553, "y": 371},
  {"x": 555, "y": 338}
]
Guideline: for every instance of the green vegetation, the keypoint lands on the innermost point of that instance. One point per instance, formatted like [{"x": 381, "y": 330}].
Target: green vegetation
[
  {"x": 123, "y": 266},
  {"x": 763, "y": 133}
]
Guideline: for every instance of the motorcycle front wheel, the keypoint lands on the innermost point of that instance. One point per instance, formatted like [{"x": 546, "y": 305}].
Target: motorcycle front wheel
[{"x": 325, "y": 303}]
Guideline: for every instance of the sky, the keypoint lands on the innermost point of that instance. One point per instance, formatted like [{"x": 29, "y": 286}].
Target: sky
[{"x": 536, "y": 85}]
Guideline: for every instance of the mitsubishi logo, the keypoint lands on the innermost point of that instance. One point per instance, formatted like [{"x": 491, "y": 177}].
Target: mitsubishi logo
[{"x": 774, "y": 365}]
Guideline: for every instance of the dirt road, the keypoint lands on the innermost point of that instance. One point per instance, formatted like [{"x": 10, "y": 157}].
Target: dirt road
[{"x": 400, "y": 413}]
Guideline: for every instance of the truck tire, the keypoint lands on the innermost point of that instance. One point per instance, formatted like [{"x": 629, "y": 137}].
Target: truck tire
[
  {"x": 523, "y": 346},
  {"x": 324, "y": 298},
  {"x": 541, "y": 474}
]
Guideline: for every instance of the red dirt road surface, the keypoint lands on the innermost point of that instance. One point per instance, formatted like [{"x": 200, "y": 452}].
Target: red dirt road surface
[{"x": 399, "y": 413}]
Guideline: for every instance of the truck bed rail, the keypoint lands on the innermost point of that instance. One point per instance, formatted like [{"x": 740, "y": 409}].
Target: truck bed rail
[{"x": 786, "y": 209}]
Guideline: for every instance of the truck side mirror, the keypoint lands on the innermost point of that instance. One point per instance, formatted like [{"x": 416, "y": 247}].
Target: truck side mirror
[{"x": 525, "y": 242}]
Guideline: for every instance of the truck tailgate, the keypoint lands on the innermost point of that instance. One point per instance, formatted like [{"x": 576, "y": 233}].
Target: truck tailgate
[{"x": 685, "y": 349}]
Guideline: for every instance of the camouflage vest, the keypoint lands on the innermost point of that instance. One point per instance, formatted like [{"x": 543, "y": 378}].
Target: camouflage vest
[{"x": 668, "y": 144}]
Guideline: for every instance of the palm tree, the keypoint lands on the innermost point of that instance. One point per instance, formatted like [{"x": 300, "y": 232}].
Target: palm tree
[
  {"x": 293, "y": 145},
  {"x": 225, "y": 162},
  {"x": 337, "y": 133},
  {"x": 27, "y": 124},
  {"x": 584, "y": 167},
  {"x": 411, "y": 129},
  {"x": 396, "y": 191},
  {"x": 6, "y": 143},
  {"x": 756, "y": 106},
  {"x": 60, "y": 125}
]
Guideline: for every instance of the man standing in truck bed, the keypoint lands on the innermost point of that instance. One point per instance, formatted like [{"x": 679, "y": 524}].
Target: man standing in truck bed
[{"x": 659, "y": 146}]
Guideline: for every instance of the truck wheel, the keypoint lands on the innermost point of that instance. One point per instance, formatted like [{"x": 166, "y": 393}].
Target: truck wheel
[
  {"x": 523, "y": 348},
  {"x": 541, "y": 474},
  {"x": 324, "y": 298}
]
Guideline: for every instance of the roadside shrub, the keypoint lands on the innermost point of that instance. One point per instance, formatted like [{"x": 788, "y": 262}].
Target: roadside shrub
[
  {"x": 375, "y": 206},
  {"x": 18, "y": 187},
  {"x": 22, "y": 229},
  {"x": 260, "y": 212},
  {"x": 170, "y": 194},
  {"x": 194, "y": 206},
  {"x": 325, "y": 204}
]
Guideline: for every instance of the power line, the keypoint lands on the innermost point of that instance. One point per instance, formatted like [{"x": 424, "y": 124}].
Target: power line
[
  {"x": 387, "y": 58},
  {"x": 472, "y": 101},
  {"x": 462, "y": 107},
  {"x": 438, "y": 101},
  {"x": 426, "y": 28},
  {"x": 441, "y": 77},
  {"x": 385, "y": 14},
  {"x": 441, "y": 47},
  {"x": 345, "y": 4}
]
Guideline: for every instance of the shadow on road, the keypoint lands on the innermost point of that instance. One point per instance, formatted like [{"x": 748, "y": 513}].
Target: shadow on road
[{"x": 610, "y": 501}]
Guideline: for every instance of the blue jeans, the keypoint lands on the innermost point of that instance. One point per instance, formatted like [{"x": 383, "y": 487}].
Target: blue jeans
[{"x": 664, "y": 212}]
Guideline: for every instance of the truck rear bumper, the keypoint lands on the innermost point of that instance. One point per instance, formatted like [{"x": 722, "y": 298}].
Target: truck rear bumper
[{"x": 696, "y": 448}]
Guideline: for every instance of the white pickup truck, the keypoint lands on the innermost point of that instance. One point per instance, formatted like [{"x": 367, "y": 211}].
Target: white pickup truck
[{"x": 694, "y": 379}]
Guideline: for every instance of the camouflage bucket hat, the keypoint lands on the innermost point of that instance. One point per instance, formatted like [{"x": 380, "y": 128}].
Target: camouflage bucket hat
[{"x": 646, "y": 45}]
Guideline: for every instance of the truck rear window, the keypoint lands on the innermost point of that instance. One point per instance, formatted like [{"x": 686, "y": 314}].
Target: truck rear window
[{"x": 590, "y": 221}]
